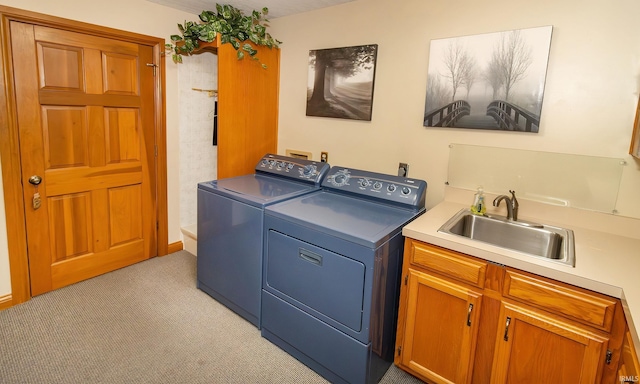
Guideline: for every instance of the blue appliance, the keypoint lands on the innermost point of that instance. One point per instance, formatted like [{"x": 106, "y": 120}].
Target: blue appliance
[
  {"x": 332, "y": 267},
  {"x": 230, "y": 227}
]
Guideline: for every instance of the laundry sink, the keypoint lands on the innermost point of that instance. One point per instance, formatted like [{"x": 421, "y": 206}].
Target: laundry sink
[{"x": 538, "y": 240}]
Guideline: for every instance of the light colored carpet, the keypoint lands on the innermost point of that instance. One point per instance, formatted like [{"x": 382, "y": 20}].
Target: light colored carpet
[{"x": 147, "y": 323}]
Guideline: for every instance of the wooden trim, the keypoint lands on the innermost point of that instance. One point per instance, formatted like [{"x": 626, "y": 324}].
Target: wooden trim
[
  {"x": 175, "y": 247},
  {"x": 11, "y": 173},
  {"x": 634, "y": 148},
  {"x": 162, "y": 210},
  {"x": 6, "y": 301},
  {"x": 10, "y": 148}
]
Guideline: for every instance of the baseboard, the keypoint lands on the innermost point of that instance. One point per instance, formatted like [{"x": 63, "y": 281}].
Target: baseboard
[
  {"x": 175, "y": 247},
  {"x": 6, "y": 301}
]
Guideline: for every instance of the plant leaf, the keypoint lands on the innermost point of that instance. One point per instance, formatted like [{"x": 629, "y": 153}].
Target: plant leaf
[{"x": 232, "y": 25}]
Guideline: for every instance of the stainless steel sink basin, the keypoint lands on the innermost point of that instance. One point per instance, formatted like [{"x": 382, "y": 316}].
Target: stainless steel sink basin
[{"x": 544, "y": 241}]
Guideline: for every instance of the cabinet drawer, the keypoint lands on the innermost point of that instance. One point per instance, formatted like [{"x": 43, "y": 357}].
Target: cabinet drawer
[
  {"x": 449, "y": 263},
  {"x": 577, "y": 304}
]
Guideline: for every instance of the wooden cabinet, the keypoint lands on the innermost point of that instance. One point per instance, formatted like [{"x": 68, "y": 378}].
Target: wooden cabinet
[
  {"x": 247, "y": 107},
  {"x": 629, "y": 370},
  {"x": 634, "y": 149},
  {"x": 464, "y": 320},
  {"x": 441, "y": 328}
]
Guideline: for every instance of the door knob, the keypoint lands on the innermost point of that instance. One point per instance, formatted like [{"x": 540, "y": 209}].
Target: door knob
[{"x": 35, "y": 180}]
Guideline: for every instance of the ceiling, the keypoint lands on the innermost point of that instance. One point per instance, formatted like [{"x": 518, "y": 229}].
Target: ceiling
[{"x": 277, "y": 8}]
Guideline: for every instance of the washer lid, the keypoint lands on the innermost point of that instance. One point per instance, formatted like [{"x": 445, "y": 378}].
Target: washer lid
[
  {"x": 361, "y": 221},
  {"x": 257, "y": 189}
]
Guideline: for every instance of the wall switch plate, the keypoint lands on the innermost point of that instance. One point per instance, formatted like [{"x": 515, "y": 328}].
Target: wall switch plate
[
  {"x": 324, "y": 157},
  {"x": 403, "y": 170}
]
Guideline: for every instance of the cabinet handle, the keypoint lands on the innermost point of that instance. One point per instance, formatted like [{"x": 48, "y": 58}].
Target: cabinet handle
[
  {"x": 506, "y": 329},
  {"x": 469, "y": 315}
]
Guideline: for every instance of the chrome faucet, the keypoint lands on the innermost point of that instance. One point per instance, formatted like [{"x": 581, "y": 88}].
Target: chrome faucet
[{"x": 512, "y": 205}]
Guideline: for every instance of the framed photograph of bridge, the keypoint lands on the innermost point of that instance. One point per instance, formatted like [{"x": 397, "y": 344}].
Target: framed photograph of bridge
[
  {"x": 491, "y": 81},
  {"x": 341, "y": 82}
]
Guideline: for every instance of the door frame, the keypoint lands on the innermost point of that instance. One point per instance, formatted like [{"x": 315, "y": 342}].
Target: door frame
[{"x": 10, "y": 146}]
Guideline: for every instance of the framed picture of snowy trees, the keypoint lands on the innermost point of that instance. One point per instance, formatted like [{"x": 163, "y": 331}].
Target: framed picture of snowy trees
[
  {"x": 488, "y": 81},
  {"x": 341, "y": 82}
]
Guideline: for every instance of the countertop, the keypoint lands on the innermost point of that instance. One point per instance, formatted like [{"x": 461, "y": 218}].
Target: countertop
[{"x": 607, "y": 247}]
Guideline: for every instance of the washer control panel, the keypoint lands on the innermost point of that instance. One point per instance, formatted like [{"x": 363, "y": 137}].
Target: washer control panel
[
  {"x": 293, "y": 168},
  {"x": 377, "y": 186}
]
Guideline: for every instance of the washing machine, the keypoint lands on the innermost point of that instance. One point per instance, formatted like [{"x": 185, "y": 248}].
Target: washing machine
[
  {"x": 230, "y": 227},
  {"x": 332, "y": 267}
]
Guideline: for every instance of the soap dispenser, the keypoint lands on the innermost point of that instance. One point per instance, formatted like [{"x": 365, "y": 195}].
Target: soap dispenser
[{"x": 478, "y": 207}]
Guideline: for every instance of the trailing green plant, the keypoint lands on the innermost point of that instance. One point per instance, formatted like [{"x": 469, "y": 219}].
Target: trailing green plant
[{"x": 234, "y": 27}]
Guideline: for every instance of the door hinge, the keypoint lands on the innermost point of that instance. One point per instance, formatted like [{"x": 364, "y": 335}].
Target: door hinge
[
  {"x": 154, "y": 67},
  {"x": 608, "y": 358},
  {"x": 406, "y": 277},
  {"x": 155, "y": 148},
  {"x": 399, "y": 350}
]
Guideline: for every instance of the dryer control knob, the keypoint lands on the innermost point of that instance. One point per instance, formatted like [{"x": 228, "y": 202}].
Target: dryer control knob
[
  {"x": 309, "y": 170},
  {"x": 406, "y": 190},
  {"x": 340, "y": 179},
  {"x": 391, "y": 188}
]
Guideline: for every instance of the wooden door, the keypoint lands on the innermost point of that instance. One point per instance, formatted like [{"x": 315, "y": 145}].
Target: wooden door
[
  {"x": 85, "y": 111},
  {"x": 441, "y": 328},
  {"x": 535, "y": 348}
]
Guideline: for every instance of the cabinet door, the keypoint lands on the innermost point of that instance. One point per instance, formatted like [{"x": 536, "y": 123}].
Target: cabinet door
[
  {"x": 535, "y": 348},
  {"x": 440, "y": 329}
]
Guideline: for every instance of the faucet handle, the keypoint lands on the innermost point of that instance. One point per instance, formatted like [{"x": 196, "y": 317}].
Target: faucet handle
[{"x": 514, "y": 204}]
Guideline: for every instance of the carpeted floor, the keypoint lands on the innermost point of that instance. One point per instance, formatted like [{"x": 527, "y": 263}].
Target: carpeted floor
[{"x": 146, "y": 323}]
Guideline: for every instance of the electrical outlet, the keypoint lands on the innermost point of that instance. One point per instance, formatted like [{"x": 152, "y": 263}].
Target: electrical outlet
[
  {"x": 324, "y": 157},
  {"x": 403, "y": 170}
]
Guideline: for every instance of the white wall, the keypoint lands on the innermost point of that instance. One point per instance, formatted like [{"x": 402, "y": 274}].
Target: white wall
[
  {"x": 591, "y": 91},
  {"x": 137, "y": 16},
  {"x": 198, "y": 156}
]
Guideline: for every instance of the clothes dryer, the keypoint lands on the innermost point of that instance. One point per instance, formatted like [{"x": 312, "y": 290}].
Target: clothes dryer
[{"x": 332, "y": 267}]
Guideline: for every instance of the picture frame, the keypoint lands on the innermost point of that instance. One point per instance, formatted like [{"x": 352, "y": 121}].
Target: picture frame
[
  {"x": 341, "y": 82},
  {"x": 491, "y": 81}
]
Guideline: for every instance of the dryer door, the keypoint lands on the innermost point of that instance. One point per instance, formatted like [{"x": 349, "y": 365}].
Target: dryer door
[{"x": 315, "y": 279}]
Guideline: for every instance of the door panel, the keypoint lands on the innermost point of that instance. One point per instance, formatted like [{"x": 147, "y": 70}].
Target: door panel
[
  {"x": 125, "y": 222},
  {"x": 64, "y": 130},
  {"x": 530, "y": 340},
  {"x": 120, "y": 73},
  {"x": 441, "y": 328},
  {"x": 60, "y": 67},
  {"x": 67, "y": 212},
  {"x": 122, "y": 135},
  {"x": 85, "y": 114}
]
